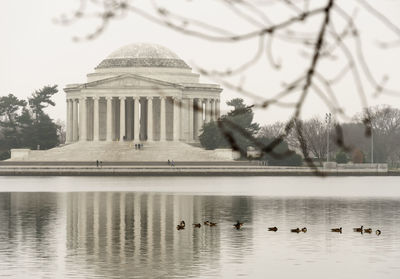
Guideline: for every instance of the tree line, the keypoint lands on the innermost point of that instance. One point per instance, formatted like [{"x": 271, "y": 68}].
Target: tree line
[
  {"x": 25, "y": 124},
  {"x": 237, "y": 130},
  {"x": 346, "y": 141}
]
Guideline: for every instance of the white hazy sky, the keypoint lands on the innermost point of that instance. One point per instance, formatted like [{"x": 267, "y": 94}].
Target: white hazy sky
[{"x": 34, "y": 51}]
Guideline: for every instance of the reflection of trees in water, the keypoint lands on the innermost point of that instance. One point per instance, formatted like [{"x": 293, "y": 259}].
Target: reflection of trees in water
[
  {"x": 29, "y": 224},
  {"x": 289, "y": 212}
]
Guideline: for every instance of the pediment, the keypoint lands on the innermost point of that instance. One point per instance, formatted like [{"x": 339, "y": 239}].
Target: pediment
[{"x": 130, "y": 81}]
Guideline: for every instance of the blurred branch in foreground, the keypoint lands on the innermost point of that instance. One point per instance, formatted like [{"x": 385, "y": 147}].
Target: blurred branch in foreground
[{"x": 326, "y": 33}]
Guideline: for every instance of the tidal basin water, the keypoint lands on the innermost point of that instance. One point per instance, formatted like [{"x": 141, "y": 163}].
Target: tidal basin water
[{"x": 125, "y": 227}]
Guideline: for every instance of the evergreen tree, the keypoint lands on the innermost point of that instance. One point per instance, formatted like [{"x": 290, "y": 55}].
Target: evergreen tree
[
  {"x": 281, "y": 155},
  {"x": 233, "y": 130},
  {"x": 27, "y": 127},
  {"x": 211, "y": 137},
  {"x": 9, "y": 107},
  {"x": 41, "y": 99},
  {"x": 342, "y": 158}
]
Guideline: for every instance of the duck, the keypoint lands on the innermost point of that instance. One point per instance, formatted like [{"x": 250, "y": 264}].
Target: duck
[
  {"x": 304, "y": 230},
  {"x": 180, "y": 227},
  {"x": 212, "y": 224},
  {"x": 238, "y": 225},
  {"x": 378, "y": 232},
  {"x": 339, "y": 230},
  {"x": 197, "y": 225},
  {"x": 360, "y": 229},
  {"x": 273, "y": 229},
  {"x": 207, "y": 223},
  {"x": 369, "y": 230},
  {"x": 295, "y": 230}
]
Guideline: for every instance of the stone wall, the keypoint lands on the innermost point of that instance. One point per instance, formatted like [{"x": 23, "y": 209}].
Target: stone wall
[{"x": 356, "y": 167}]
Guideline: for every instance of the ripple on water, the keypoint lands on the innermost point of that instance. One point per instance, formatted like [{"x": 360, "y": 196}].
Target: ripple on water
[{"x": 133, "y": 234}]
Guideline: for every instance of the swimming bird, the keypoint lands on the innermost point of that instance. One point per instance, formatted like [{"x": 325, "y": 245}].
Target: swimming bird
[
  {"x": 238, "y": 225},
  {"x": 212, "y": 224},
  {"x": 295, "y": 230},
  {"x": 304, "y": 230},
  {"x": 273, "y": 229},
  {"x": 360, "y": 229},
  {"x": 368, "y": 230},
  {"x": 378, "y": 232},
  {"x": 198, "y": 225},
  {"x": 339, "y": 230},
  {"x": 181, "y": 225}
]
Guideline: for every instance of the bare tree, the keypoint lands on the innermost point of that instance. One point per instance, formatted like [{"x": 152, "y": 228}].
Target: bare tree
[
  {"x": 325, "y": 32},
  {"x": 272, "y": 130},
  {"x": 315, "y": 135},
  {"x": 385, "y": 131}
]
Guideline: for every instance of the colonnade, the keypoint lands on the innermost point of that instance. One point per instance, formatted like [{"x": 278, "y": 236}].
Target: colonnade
[{"x": 138, "y": 118}]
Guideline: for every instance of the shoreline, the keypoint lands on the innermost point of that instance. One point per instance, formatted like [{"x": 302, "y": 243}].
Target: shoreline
[{"x": 180, "y": 169}]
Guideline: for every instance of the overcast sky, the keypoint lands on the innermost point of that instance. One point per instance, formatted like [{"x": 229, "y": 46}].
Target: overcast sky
[{"x": 34, "y": 52}]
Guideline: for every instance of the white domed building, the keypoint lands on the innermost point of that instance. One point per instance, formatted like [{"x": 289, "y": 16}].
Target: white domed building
[{"x": 141, "y": 93}]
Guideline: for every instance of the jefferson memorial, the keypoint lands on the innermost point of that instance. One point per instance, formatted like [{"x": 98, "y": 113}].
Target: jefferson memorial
[{"x": 140, "y": 92}]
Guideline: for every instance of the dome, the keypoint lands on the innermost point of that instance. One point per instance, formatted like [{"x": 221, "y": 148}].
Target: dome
[{"x": 143, "y": 55}]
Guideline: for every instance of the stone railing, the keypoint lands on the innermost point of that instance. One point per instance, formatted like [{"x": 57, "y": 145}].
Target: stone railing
[{"x": 355, "y": 167}]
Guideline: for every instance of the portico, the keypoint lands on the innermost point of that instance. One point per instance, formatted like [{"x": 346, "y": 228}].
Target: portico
[
  {"x": 141, "y": 92},
  {"x": 137, "y": 118}
]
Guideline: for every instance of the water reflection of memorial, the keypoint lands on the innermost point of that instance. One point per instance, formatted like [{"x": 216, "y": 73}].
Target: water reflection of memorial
[
  {"x": 138, "y": 231},
  {"x": 116, "y": 235}
]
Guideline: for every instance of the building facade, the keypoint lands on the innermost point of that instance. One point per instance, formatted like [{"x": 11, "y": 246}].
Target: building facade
[{"x": 140, "y": 92}]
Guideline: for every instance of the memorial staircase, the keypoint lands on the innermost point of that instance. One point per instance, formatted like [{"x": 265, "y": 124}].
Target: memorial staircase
[{"x": 126, "y": 151}]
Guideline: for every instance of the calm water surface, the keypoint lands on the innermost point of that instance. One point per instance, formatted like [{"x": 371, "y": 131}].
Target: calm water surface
[{"x": 79, "y": 227}]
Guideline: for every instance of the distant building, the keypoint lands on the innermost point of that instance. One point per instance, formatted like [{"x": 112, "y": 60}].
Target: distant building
[{"x": 140, "y": 92}]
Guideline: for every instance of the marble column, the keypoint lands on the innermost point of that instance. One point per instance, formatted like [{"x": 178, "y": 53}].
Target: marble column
[
  {"x": 109, "y": 119},
  {"x": 199, "y": 117},
  {"x": 75, "y": 124},
  {"x": 71, "y": 118},
  {"x": 149, "y": 118},
  {"x": 217, "y": 109},
  {"x": 82, "y": 119},
  {"x": 69, "y": 122},
  {"x": 191, "y": 121},
  {"x": 212, "y": 112},
  {"x": 177, "y": 114},
  {"x": 163, "y": 129},
  {"x": 122, "y": 118},
  {"x": 96, "y": 120},
  {"x": 136, "y": 119},
  {"x": 208, "y": 110},
  {"x": 129, "y": 118},
  {"x": 143, "y": 119}
]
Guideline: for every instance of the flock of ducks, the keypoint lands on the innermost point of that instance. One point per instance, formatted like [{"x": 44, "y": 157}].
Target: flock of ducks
[
  {"x": 181, "y": 225},
  {"x": 362, "y": 230},
  {"x": 238, "y": 225}
]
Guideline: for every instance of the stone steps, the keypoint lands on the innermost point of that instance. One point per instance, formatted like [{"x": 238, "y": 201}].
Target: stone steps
[{"x": 125, "y": 151}]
